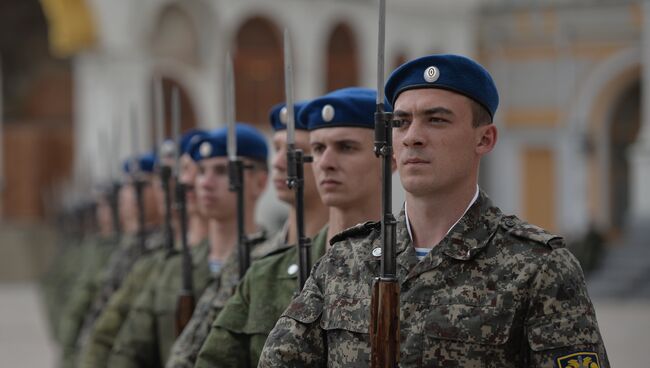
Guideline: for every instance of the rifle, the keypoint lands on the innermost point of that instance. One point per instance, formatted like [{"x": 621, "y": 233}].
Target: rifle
[
  {"x": 186, "y": 302},
  {"x": 138, "y": 182},
  {"x": 296, "y": 160},
  {"x": 164, "y": 170},
  {"x": 236, "y": 170},
  {"x": 384, "y": 308}
]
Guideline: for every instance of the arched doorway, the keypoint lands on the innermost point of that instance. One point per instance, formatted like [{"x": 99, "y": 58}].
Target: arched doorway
[
  {"x": 175, "y": 37},
  {"x": 342, "y": 60},
  {"x": 623, "y": 130},
  {"x": 259, "y": 71}
]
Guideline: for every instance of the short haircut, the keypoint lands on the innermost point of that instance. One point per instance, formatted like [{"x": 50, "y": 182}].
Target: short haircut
[{"x": 480, "y": 115}]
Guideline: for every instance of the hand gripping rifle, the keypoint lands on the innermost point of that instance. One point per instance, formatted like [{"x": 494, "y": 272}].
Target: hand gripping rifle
[
  {"x": 296, "y": 160},
  {"x": 138, "y": 182},
  {"x": 164, "y": 170},
  {"x": 236, "y": 170},
  {"x": 186, "y": 303},
  {"x": 384, "y": 308}
]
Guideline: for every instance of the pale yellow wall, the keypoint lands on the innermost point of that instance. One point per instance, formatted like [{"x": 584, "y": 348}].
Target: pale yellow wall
[{"x": 539, "y": 187}]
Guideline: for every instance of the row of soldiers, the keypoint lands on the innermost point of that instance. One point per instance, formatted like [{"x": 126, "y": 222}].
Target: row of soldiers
[
  {"x": 476, "y": 287},
  {"x": 114, "y": 300}
]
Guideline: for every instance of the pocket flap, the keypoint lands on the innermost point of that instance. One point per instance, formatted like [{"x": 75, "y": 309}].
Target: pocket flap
[
  {"x": 306, "y": 308},
  {"x": 346, "y": 313}
]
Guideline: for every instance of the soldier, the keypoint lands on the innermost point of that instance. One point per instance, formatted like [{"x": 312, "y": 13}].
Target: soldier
[
  {"x": 96, "y": 249},
  {"x": 341, "y": 139},
  {"x": 147, "y": 334},
  {"x": 97, "y": 346},
  {"x": 129, "y": 249},
  {"x": 478, "y": 288},
  {"x": 186, "y": 347}
]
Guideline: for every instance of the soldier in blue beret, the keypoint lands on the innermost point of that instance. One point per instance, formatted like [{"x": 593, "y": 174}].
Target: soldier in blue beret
[
  {"x": 147, "y": 335},
  {"x": 141, "y": 167},
  {"x": 270, "y": 282},
  {"x": 478, "y": 288},
  {"x": 101, "y": 335}
]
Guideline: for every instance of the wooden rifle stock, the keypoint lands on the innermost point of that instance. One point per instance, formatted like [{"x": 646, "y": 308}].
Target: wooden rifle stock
[
  {"x": 384, "y": 323},
  {"x": 184, "y": 310}
]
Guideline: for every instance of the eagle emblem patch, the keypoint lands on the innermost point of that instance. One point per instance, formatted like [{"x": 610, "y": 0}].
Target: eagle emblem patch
[{"x": 579, "y": 360}]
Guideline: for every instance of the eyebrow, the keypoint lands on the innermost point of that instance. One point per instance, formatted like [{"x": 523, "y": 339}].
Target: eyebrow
[{"x": 431, "y": 111}]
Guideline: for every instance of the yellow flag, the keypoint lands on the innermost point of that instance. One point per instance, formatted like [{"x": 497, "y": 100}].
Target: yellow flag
[{"x": 71, "y": 26}]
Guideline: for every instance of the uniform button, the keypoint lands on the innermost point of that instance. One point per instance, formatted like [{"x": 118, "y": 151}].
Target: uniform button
[
  {"x": 510, "y": 223},
  {"x": 292, "y": 269},
  {"x": 376, "y": 252}
]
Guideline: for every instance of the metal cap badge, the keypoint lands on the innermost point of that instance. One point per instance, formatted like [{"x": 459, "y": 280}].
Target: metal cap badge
[
  {"x": 431, "y": 74},
  {"x": 205, "y": 149},
  {"x": 327, "y": 113}
]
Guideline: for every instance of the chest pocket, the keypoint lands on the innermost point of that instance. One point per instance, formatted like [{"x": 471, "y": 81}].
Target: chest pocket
[{"x": 483, "y": 325}]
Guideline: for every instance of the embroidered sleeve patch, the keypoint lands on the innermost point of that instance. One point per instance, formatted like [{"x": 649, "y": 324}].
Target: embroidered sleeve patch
[{"x": 579, "y": 360}]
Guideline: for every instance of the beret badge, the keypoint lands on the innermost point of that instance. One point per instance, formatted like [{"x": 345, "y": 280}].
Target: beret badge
[
  {"x": 205, "y": 149},
  {"x": 431, "y": 74},
  {"x": 327, "y": 113},
  {"x": 283, "y": 115}
]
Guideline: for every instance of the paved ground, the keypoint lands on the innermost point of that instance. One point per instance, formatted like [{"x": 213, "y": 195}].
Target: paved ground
[{"x": 24, "y": 340}]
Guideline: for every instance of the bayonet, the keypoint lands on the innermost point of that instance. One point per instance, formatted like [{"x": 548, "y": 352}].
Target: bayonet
[
  {"x": 136, "y": 177},
  {"x": 295, "y": 167},
  {"x": 236, "y": 168},
  {"x": 384, "y": 313},
  {"x": 186, "y": 301}
]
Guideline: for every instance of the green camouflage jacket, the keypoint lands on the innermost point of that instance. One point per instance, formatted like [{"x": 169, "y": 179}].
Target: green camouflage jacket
[
  {"x": 95, "y": 348},
  {"x": 238, "y": 334},
  {"x": 186, "y": 347},
  {"x": 95, "y": 252},
  {"x": 148, "y": 332},
  {"x": 495, "y": 292}
]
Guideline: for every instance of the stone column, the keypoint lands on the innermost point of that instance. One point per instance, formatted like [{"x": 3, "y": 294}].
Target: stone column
[{"x": 639, "y": 153}]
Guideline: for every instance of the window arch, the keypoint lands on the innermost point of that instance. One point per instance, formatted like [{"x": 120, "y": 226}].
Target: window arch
[
  {"x": 342, "y": 60},
  {"x": 259, "y": 71}
]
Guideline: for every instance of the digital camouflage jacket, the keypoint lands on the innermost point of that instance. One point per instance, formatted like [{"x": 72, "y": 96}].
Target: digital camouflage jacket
[{"x": 495, "y": 292}]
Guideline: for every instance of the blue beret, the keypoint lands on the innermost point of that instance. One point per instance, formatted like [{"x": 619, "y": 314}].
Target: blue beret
[
  {"x": 451, "y": 72},
  {"x": 146, "y": 163},
  {"x": 347, "y": 107},
  {"x": 278, "y": 120},
  {"x": 250, "y": 143},
  {"x": 189, "y": 137}
]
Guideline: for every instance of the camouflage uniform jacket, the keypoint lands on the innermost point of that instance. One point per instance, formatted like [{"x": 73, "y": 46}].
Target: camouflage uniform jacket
[
  {"x": 495, "y": 292},
  {"x": 186, "y": 347},
  {"x": 95, "y": 252},
  {"x": 238, "y": 334},
  {"x": 95, "y": 349},
  {"x": 148, "y": 332},
  {"x": 117, "y": 268}
]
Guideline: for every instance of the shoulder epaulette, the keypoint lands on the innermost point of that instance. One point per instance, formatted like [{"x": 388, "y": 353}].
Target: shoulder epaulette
[
  {"x": 356, "y": 231},
  {"x": 522, "y": 229}
]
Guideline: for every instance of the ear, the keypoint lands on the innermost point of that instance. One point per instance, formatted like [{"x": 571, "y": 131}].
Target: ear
[{"x": 486, "y": 139}]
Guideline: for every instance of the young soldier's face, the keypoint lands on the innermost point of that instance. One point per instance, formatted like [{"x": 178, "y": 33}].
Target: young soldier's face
[
  {"x": 215, "y": 200},
  {"x": 346, "y": 170},
  {"x": 212, "y": 189},
  {"x": 280, "y": 167},
  {"x": 437, "y": 148}
]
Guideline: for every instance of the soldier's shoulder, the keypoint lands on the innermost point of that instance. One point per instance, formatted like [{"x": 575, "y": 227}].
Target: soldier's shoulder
[
  {"x": 522, "y": 232},
  {"x": 361, "y": 230}
]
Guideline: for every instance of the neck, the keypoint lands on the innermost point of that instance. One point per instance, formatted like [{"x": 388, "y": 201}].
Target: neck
[
  {"x": 431, "y": 216},
  {"x": 224, "y": 237},
  {"x": 197, "y": 229},
  {"x": 315, "y": 218},
  {"x": 341, "y": 219}
]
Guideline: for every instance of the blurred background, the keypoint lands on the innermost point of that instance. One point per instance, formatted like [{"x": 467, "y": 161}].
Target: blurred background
[{"x": 574, "y": 121}]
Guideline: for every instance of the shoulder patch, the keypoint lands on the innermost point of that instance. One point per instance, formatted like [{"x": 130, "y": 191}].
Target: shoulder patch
[
  {"x": 579, "y": 360},
  {"x": 356, "y": 231},
  {"x": 522, "y": 229}
]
